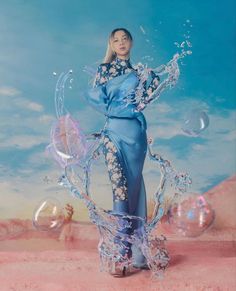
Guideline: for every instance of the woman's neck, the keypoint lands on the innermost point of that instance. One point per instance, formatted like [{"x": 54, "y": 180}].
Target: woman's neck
[{"x": 125, "y": 58}]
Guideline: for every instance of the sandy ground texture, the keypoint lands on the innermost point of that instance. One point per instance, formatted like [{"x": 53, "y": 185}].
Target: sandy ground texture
[{"x": 68, "y": 260}]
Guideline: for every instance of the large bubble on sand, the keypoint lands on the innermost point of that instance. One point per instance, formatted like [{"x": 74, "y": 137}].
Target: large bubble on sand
[
  {"x": 192, "y": 216},
  {"x": 48, "y": 215}
]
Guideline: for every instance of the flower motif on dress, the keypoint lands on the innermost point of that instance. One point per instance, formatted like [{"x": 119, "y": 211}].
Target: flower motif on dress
[
  {"x": 110, "y": 157},
  {"x": 111, "y": 146},
  {"x": 149, "y": 91},
  {"x": 117, "y": 177},
  {"x": 156, "y": 81},
  {"x": 128, "y": 70},
  {"x": 112, "y": 70},
  {"x": 103, "y": 80}
]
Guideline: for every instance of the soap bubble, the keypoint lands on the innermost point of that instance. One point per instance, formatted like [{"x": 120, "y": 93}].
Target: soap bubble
[
  {"x": 68, "y": 142},
  {"x": 191, "y": 217},
  {"x": 48, "y": 215},
  {"x": 195, "y": 122}
]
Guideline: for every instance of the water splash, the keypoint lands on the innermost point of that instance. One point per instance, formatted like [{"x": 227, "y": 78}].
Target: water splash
[
  {"x": 115, "y": 228},
  {"x": 171, "y": 69},
  {"x": 142, "y": 29},
  {"x": 59, "y": 95}
]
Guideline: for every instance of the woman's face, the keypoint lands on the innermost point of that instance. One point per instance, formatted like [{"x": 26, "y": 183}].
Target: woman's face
[{"x": 121, "y": 44}]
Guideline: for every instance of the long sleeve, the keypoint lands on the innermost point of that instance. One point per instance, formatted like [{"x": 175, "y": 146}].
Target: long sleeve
[
  {"x": 151, "y": 87},
  {"x": 101, "y": 76}
]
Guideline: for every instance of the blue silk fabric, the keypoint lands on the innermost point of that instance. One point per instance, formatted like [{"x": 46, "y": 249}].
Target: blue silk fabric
[{"x": 126, "y": 128}]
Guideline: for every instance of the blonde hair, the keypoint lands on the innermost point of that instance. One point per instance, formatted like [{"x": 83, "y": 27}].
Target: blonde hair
[{"x": 110, "y": 55}]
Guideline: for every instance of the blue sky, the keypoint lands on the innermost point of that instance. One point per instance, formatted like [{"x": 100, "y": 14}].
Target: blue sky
[{"x": 40, "y": 37}]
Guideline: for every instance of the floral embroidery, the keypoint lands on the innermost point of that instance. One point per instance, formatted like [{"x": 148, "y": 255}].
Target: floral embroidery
[
  {"x": 117, "y": 67},
  {"x": 106, "y": 72},
  {"x": 117, "y": 177}
]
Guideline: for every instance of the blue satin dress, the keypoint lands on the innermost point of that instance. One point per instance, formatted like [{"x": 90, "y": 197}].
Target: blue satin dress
[{"x": 125, "y": 140}]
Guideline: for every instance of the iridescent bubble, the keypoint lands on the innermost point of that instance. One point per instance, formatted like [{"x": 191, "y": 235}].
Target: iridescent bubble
[
  {"x": 195, "y": 122},
  {"x": 48, "y": 215},
  {"x": 191, "y": 217},
  {"x": 68, "y": 142}
]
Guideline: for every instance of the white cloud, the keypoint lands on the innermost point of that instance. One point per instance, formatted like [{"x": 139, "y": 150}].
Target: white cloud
[
  {"x": 23, "y": 141},
  {"x": 23, "y": 122},
  {"x": 46, "y": 119},
  {"x": 198, "y": 147},
  {"x": 9, "y": 91},
  {"x": 25, "y": 103},
  {"x": 166, "y": 131},
  {"x": 35, "y": 106},
  {"x": 231, "y": 135}
]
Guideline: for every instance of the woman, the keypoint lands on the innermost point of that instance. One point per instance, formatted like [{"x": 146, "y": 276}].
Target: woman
[{"x": 125, "y": 140}]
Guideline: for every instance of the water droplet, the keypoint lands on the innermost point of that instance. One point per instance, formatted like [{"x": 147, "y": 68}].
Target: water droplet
[
  {"x": 187, "y": 20},
  {"x": 71, "y": 81},
  {"x": 142, "y": 29},
  {"x": 54, "y": 73},
  {"x": 71, "y": 71},
  {"x": 70, "y": 87},
  {"x": 188, "y": 43}
]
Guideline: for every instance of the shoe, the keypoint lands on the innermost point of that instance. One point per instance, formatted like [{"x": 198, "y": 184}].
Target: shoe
[
  {"x": 141, "y": 266},
  {"x": 118, "y": 272}
]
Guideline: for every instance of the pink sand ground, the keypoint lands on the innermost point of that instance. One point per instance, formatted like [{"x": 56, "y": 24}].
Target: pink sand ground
[{"x": 69, "y": 261}]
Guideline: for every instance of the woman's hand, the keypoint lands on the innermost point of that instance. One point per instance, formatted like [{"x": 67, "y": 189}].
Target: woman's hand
[{"x": 70, "y": 211}]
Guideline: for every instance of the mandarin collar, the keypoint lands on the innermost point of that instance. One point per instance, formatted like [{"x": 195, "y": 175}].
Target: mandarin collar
[{"x": 122, "y": 62}]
